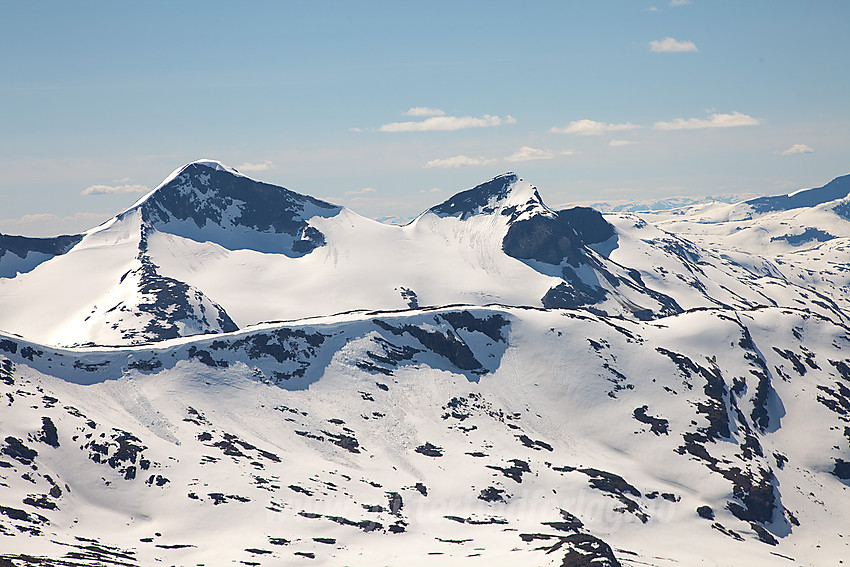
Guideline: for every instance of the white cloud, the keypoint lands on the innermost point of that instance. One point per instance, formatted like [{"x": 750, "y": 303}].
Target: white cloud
[
  {"x": 446, "y": 123},
  {"x": 363, "y": 191},
  {"x": 49, "y": 224},
  {"x": 797, "y": 149},
  {"x": 568, "y": 153},
  {"x": 670, "y": 45},
  {"x": 113, "y": 189},
  {"x": 424, "y": 111},
  {"x": 651, "y": 9},
  {"x": 527, "y": 153},
  {"x": 264, "y": 166},
  {"x": 432, "y": 190},
  {"x": 36, "y": 217},
  {"x": 459, "y": 161},
  {"x": 587, "y": 127},
  {"x": 679, "y": 2},
  {"x": 717, "y": 120},
  {"x": 616, "y": 143}
]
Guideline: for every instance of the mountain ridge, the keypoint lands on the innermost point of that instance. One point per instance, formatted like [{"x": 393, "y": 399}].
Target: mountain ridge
[
  {"x": 495, "y": 383},
  {"x": 838, "y": 188},
  {"x": 208, "y": 240},
  {"x": 205, "y": 214},
  {"x": 478, "y": 437}
]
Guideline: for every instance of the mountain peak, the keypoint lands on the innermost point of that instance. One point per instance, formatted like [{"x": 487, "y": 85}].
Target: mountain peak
[
  {"x": 206, "y": 200},
  {"x": 507, "y": 193},
  {"x": 215, "y": 165},
  {"x": 212, "y": 164}
]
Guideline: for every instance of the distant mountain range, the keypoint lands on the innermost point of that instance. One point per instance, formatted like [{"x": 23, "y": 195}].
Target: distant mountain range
[
  {"x": 229, "y": 371},
  {"x": 662, "y": 204}
]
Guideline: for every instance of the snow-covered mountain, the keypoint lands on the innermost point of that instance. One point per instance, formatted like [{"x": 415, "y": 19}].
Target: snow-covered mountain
[
  {"x": 210, "y": 251},
  {"x": 801, "y": 238},
  {"x": 231, "y": 372}
]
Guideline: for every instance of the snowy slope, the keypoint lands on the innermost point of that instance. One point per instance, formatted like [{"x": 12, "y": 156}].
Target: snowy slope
[
  {"x": 838, "y": 188},
  {"x": 211, "y": 251},
  {"x": 477, "y": 435},
  {"x": 495, "y": 383},
  {"x": 112, "y": 291},
  {"x": 801, "y": 238}
]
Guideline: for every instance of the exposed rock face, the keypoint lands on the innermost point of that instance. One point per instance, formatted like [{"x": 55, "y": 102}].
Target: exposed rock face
[
  {"x": 236, "y": 211},
  {"x": 22, "y": 245},
  {"x": 481, "y": 199},
  {"x": 559, "y": 238}
]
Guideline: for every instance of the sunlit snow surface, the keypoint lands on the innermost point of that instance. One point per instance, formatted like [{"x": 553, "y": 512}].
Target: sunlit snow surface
[
  {"x": 447, "y": 418},
  {"x": 233, "y": 252}
]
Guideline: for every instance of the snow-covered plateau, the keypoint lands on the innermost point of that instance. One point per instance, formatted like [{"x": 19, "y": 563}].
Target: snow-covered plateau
[{"x": 232, "y": 373}]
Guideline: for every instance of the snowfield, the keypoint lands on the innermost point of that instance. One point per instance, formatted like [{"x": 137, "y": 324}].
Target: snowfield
[{"x": 231, "y": 373}]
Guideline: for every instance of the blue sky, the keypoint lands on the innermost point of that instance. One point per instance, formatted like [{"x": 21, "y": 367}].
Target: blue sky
[{"x": 391, "y": 107}]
